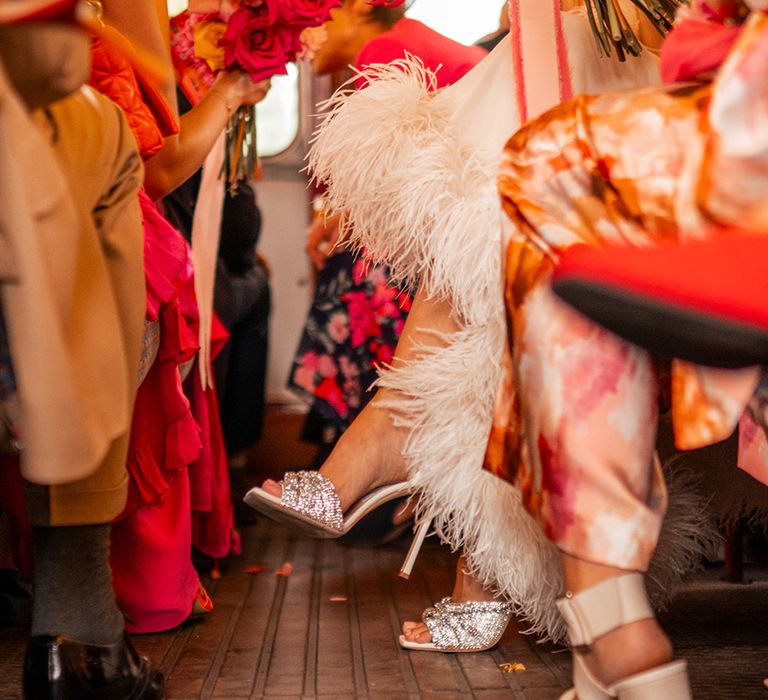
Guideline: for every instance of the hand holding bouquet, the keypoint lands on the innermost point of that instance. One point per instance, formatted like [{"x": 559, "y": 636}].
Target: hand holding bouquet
[{"x": 256, "y": 37}]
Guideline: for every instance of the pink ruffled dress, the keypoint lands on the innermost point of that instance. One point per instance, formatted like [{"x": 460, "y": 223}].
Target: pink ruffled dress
[
  {"x": 179, "y": 486},
  {"x": 154, "y": 579}
]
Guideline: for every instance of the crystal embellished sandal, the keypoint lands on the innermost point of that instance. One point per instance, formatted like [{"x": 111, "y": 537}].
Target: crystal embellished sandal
[
  {"x": 310, "y": 504},
  {"x": 462, "y": 627},
  {"x": 599, "y": 610}
]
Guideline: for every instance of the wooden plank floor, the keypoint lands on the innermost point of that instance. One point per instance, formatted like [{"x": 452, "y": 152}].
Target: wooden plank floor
[{"x": 329, "y": 630}]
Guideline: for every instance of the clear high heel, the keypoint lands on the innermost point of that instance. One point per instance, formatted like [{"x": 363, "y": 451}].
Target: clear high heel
[
  {"x": 413, "y": 552},
  {"x": 599, "y": 610},
  {"x": 471, "y": 626},
  {"x": 309, "y": 503}
]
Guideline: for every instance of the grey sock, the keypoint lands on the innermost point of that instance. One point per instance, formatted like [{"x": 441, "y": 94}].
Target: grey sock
[{"x": 73, "y": 585}]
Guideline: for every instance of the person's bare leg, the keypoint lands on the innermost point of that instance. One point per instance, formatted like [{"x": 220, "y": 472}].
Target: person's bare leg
[
  {"x": 465, "y": 588},
  {"x": 627, "y": 650},
  {"x": 370, "y": 452}
]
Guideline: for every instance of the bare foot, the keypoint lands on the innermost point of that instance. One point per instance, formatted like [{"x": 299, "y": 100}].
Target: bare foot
[
  {"x": 368, "y": 455},
  {"x": 465, "y": 588}
]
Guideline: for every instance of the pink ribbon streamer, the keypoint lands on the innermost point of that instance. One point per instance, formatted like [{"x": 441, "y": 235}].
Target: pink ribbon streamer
[{"x": 539, "y": 56}]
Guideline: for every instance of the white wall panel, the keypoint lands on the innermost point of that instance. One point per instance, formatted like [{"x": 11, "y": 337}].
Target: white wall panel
[{"x": 285, "y": 209}]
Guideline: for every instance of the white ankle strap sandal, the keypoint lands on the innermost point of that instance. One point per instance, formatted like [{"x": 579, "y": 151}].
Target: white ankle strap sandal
[
  {"x": 310, "y": 504},
  {"x": 599, "y": 610}
]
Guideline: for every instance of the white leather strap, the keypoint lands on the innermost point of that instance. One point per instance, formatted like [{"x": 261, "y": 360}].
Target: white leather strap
[{"x": 603, "y": 608}]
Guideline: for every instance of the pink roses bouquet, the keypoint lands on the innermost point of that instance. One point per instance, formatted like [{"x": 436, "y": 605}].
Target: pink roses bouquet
[
  {"x": 263, "y": 36},
  {"x": 258, "y": 37}
]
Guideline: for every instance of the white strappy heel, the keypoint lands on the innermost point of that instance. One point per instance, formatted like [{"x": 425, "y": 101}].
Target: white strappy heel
[
  {"x": 599, "y": 610},
  {"x": 309, "y": 503}
]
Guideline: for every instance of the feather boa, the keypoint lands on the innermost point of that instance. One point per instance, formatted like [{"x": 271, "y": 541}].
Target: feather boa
[{"x": 419, "y": 198}]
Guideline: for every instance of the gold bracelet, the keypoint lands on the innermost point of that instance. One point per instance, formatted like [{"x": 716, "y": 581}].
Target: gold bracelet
[{"x": 224, "y": 100}]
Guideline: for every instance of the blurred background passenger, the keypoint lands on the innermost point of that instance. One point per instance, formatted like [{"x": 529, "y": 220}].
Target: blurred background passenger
[{"x": 492, "y": 40}]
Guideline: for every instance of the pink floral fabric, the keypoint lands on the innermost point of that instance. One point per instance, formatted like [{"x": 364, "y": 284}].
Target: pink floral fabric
[
  {"x": 637, "y": 168},
  {"x": 352, "y": 329}
]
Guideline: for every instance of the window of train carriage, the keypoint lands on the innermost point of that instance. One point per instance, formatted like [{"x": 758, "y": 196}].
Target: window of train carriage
[
  {"x": 277, "y": 116},
  {"x": 465, "y": 21}
]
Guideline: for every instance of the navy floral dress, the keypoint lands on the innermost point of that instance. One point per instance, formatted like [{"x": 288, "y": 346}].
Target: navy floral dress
[{"x": 352, "y": 328}]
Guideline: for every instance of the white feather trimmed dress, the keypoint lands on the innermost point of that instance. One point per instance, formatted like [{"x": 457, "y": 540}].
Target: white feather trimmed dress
[{"x": 419, "y": 190}]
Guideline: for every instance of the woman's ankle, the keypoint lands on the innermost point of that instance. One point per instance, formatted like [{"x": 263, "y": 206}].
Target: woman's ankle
[
  {"x": 368, "y": 455},
  {"x": 628, "y": 650},
  {"x": 470, "y": 589}
]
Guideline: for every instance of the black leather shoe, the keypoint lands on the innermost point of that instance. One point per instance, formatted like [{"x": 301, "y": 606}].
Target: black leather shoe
[{"x": 57, "y": 668}]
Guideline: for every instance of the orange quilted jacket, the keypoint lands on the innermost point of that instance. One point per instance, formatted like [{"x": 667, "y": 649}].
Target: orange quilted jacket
[{"x": 148, "y": 113}]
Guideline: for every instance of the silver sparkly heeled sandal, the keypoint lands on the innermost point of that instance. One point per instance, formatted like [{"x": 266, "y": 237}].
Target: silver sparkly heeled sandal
[
  {"x": 462, "y": 627},
  {"x": 310, "y": 504},
  {"x": 599, "y": 610}
]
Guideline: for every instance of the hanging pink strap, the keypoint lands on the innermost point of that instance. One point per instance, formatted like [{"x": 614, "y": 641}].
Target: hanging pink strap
[
  {"x": 206, "y": 230},
  {"x": 539, "y": 55}
]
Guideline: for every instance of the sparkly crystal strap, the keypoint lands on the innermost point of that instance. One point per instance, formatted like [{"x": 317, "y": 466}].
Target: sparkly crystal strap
[
  {"x": 311, "y": 494},
  {"x": 470, "y": 625}
]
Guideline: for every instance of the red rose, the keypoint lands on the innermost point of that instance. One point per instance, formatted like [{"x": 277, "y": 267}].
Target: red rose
[
  {"x": 258, "y": 50},
  {"x": 292, "y": 40},
  {"x": 307, "y": 13},
  {"x": 265, "y": 11}
]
